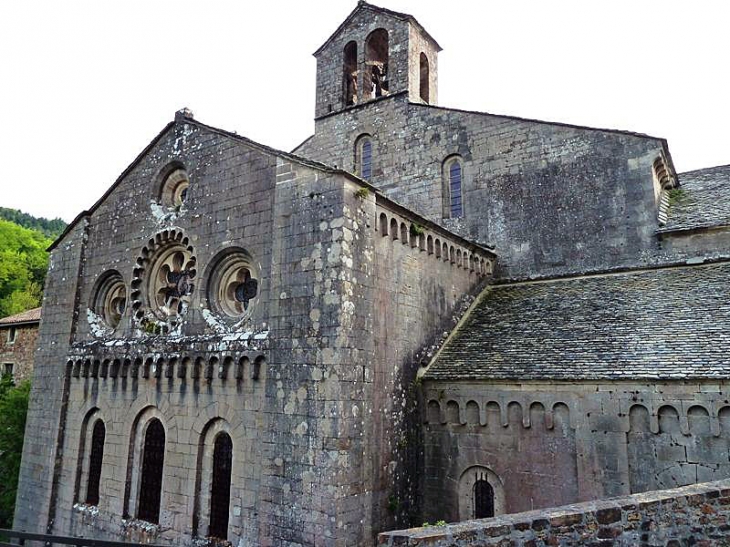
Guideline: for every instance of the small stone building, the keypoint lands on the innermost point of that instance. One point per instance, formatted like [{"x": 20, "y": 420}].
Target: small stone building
[
  {"x": 420, "y": 313},
  {"x": 18, "y": 341}
]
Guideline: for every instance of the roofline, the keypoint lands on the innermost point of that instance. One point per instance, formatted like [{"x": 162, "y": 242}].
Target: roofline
[
  {"x": 20, "y": 323},
  {"x": 95, "y": 206},
  {"x": 269, "y": 150},
  {"x": 695, "y": 171},
  {"x": 398, "y": 15},
  {"x": 544, "y": 122}
]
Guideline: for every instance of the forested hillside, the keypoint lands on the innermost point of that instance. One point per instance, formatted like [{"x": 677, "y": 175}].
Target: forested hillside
[
  {"x": 49, "y": 228},
  {"x": 23, "y": 259}
]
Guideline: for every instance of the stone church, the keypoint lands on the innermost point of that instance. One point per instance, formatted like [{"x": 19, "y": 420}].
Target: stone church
[{"x": 419, "y": 314}]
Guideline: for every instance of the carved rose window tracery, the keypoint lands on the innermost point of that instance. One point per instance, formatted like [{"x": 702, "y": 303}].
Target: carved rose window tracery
[{"x": 233, "y": 286}]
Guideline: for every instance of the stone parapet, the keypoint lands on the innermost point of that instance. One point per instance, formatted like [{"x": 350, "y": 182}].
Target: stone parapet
[{"x": 691, "y": 515}]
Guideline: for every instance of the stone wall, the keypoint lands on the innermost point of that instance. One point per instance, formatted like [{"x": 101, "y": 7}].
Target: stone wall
[
  {"x": 693, "y": 515},
  {"x": 523, "y": 182},
  {"x": 314, "y": 386},
  {"x": 20, "y": 352},
  {"x": 549, "y": 443}
]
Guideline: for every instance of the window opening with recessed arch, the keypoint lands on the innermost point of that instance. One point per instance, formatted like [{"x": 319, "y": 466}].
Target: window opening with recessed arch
[
  {"x": 483, "y": 497},
  {"x": 376, "y": 64},
  {"x": 425, "y": 86},
  {"x": 350, "y": 73},
  {"x": 453, "y": 189},
  {"x": 364, "y": 157},
  {"x": 153, "y": 459},
  {"x": 96, "y": 458},
  {"x": 221, "y": 486}
]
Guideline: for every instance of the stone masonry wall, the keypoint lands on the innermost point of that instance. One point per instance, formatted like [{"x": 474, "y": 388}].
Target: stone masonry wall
[
  {"x": 20, "y": 353},
  {"x": 693, "y": 515},
  {"x": 420, "y": 292},
  {"x": 546, "y": 444},
  {"x": 523, "y": 181},
  {"x": 44, "y": 427}
]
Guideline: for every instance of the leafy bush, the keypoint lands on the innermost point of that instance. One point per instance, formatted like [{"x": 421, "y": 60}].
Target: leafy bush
[
  {"x": 13, "y": 411},
  {"x": 23, "y": 263}
]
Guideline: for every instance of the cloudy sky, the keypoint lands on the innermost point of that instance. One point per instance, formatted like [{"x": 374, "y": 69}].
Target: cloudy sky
[{"x": 86, "y": 84}]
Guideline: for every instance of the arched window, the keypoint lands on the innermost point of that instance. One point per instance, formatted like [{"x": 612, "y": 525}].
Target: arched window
[
  {"x": 153, "y": 459},
  {"x": 220, "y": 495},
  {"x": 383, "y": 225},
  {"x": 425, "y": 79},
  {"x": 376, "y": 64},
  {"x": 364, "y": 157},
  {"x": 483, "y": 497},
  {"x": 453, "y": 177},
  {"x": 96, "y": 457},
  {"x": 393, "y": 229},
  {"x": 350, "y": 74}
]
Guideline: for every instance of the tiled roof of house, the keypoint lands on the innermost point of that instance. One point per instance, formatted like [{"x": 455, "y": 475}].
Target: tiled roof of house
[
  {"x": 669, "y": 323},
  {"x": 30, "y": 316},
  {"x": 702, "y": 200}
]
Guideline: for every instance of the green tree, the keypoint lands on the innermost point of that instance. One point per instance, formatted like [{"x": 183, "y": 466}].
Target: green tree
[
  {"x": 23, "y": 263},
  {"x": 13, "y": 411}
]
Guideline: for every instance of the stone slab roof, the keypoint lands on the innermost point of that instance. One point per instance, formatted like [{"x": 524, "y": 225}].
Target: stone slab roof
[
  {"x": 30, "y": 316},
  {"x": 671, "y": 323},
  {"x": 703, "y": 200}
]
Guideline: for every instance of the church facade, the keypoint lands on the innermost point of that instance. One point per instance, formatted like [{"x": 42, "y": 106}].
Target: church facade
[{"x": 419, "y": 314}]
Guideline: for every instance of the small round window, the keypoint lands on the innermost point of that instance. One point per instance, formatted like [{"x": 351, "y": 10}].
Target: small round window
[
  {"x": 233, "y": 286},
  {"x": 110, "y": 300},
  {"x": 175, "y": 188}
]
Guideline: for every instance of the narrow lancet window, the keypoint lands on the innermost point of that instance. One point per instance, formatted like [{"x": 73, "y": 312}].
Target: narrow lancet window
[
  {"x": 95, "y": 461},
  {"x": 453, "y": 191},
  {"x": 350, "y": 74},
  {"x": 153, "y": 459},
  {"x": 425, "y": 79},
  {"x": 376, "y": 64},
  {"x": 483, "y": 498},
  {"x": 220, "y": 495},
  {"x": 364, "y": 157}
]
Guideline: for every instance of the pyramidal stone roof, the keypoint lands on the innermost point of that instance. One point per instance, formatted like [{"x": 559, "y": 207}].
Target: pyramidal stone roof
[
  {"x": 671, "y": 323},
  {"x": 702, "y": 200}
]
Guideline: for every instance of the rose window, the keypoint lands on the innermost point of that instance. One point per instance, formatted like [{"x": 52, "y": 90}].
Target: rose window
[
  {"x": 110, "y": 300},
  {"x": 233, "y": 286},
  {"x": 172, "y": 283}
]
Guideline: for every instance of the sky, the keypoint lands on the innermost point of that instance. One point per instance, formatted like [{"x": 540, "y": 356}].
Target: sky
[{"x": 85, "y": 85}]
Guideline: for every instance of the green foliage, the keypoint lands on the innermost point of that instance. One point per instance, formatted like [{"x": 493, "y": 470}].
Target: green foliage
[
  {"x": 13, "y": 411},
  {"x": 23, "y": 264},
  {"x": 675, "y": 195},
  {"x": 417, "y": 230},
  {"x": 362, "y": 193},
  {"x": 50, "y": 228}
]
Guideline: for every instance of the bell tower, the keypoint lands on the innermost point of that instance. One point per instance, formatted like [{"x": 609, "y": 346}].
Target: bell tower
[{"x": 376, "y": 53}]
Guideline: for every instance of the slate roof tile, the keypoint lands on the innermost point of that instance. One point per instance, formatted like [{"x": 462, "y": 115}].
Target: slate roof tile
[
  {"x": 704, "y": 200},
  {"x": 669, "y": 323}
]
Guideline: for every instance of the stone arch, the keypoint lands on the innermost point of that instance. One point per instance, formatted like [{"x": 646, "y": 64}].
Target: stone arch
[
  {"x": 404, "y": 233},
  {"x": 668, "y": 419},
  {"x": 393, "y": 229},
  {"x": 83, "y": 464},
  {"x": 453, "y": 187},
  {"x": 494, "y": 416},
  {"x": 445, "y": 252},
  {"x": 467, "y": 482},
  {"x": 437, "y": 247},
  {"x": 207, "y": 511},
  {"x": 515, "y": 415},
  {"x": 698, "y": 419},
  {"x": 429, "y": 244},
  {"x": 349, "y": 73},
  {"x": 452, "y": 413},
  {"x": 377, "y": 56},
  {"x": 723, "y": 416},
  {"x": 537, "y": 415},
  {"x": 433, "y": 412},
  {"x": 425, "y": 78},
  {"x": 472, "y": 413},
  {"x": 383, "y": 224},
  {"x": 364, "y": 153}
]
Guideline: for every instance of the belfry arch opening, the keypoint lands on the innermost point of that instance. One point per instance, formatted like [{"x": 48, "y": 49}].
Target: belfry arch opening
[
  {"x": 350, "y": 74},
  {"x": 376, "y": 64},
  {"x": 425, "y": 73}
]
